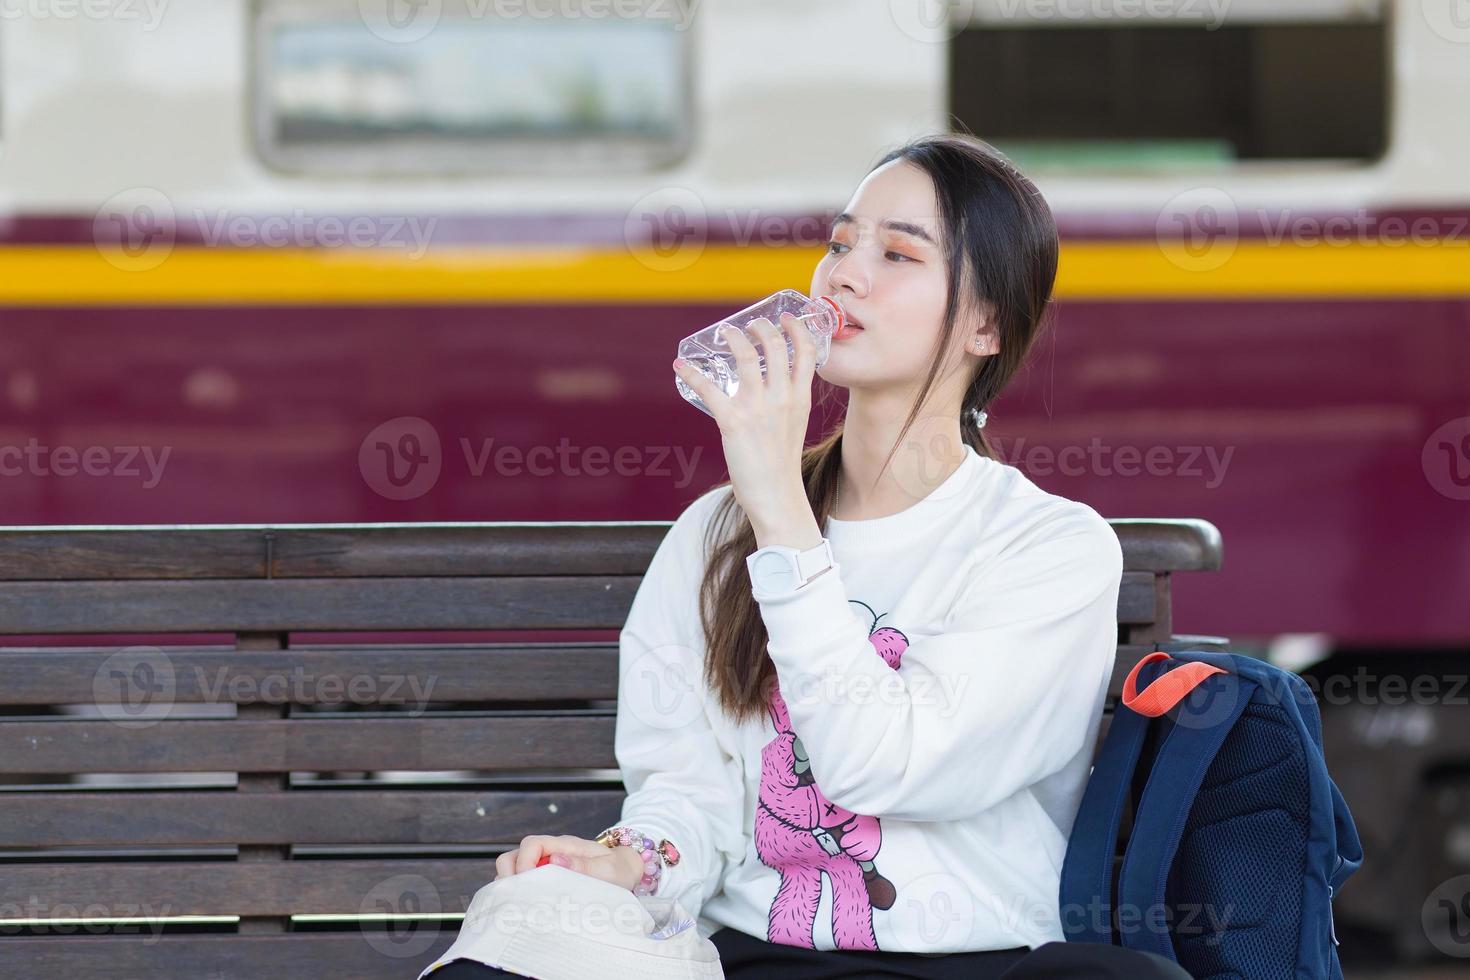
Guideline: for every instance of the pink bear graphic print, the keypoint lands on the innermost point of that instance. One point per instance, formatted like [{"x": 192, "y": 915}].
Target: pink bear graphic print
[{"x": 802, "y": 835}]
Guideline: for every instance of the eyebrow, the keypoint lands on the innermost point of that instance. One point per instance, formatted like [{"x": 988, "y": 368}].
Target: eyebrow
[{"x": 904, "y": 227}]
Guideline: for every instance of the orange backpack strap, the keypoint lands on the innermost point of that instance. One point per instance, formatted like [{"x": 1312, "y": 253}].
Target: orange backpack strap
[{"x": 1167, "y": 691}]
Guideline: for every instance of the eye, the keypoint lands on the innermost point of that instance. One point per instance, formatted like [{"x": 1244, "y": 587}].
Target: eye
[
  {"x": 899, "y": 255},
  {"x": 833, "y": 246}
]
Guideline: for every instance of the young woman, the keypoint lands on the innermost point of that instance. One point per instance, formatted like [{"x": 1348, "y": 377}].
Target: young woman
[{"x": 861, "y": 681}]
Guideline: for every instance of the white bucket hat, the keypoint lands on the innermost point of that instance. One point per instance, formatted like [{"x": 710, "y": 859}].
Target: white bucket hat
[{"x": 558, "y": 924}]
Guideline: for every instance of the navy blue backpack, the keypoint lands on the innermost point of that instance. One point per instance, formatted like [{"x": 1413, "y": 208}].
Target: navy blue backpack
[{"x": 1239, "y": 839}]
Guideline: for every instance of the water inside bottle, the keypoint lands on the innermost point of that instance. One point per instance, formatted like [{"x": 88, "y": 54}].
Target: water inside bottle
[
  {"x": 716, "y": 362},
  {"x": 720, "y": 366}
]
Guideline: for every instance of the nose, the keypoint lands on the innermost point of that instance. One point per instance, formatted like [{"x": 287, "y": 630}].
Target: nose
[{"x": 845, "y": 274}]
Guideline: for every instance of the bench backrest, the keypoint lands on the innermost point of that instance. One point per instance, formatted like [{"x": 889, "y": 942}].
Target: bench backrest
[{"x": 198, "y": 783}]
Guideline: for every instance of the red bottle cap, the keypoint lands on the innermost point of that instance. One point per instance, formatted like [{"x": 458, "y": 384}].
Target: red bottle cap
[{"x": 841, "y": 319}]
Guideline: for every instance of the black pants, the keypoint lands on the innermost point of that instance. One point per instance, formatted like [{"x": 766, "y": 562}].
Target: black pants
[{"x": 744, "y": 957}]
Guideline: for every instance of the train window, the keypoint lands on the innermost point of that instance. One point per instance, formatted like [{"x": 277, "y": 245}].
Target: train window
[
  {"x": 338, "y": 91},
  {"x": 1060, "y": 85}
]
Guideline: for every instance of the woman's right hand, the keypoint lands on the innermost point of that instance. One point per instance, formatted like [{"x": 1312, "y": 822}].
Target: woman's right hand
[{"x": 619, "y": 865}]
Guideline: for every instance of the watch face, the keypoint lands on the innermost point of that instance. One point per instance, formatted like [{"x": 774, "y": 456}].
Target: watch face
[{"x": 773, "y": 573}]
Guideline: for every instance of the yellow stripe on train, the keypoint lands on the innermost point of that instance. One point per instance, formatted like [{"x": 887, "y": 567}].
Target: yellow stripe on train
[{"x": 86, "y": 275}]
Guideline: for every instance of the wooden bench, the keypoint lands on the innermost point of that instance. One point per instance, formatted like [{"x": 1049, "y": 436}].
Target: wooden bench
[{"x": 295, "y": 818}]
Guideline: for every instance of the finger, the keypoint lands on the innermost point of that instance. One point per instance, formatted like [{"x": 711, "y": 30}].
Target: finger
[
  {"x": 505, "y": 864},
  {"x": 773, "y": 345},
  {"x": 805, "y": 347},
  {"x": 747, "y": 366},
  {"x": 529, "y": 853},
  {"x": 711, "y": 394}
]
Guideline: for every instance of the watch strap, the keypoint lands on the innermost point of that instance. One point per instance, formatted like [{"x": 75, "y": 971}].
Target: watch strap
[
  {"x": 805, "y": 565},
  {"x": 812, "y": 561}
]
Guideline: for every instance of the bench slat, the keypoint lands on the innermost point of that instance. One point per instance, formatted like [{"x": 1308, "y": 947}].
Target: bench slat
[
  {"x": 435, "y": 549},
  {"x": 289, "y": 956},
  {"x": 578, "y": 741},
  {"x": 362, "y": 604},
  {"x": 210, "y": 606},
  {"x": 403, "y": 674},
  {"x": 329, "y": 551},
  {"x": 581, "y": 741},
  {"x": 389, "y": 817},
  {"x": 178, "y": 888}
]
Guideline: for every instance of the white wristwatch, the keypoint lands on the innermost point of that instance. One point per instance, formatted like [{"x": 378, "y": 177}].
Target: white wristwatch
[{"x": 776, "y": 568}]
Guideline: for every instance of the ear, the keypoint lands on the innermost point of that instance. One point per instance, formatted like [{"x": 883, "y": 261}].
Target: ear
[
  {"x": 985, "y": 341},
  {"x": 984, "y": 337}
]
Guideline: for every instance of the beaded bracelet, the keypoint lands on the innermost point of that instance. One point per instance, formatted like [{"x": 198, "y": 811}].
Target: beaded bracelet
[{"x": 647, "y": 850}]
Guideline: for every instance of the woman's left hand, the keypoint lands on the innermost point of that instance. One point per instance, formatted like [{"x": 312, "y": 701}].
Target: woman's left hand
[{"x": 764, "y": 425}]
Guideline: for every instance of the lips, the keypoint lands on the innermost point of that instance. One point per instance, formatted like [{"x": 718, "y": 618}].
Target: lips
[{"x": 851, "y": 326}]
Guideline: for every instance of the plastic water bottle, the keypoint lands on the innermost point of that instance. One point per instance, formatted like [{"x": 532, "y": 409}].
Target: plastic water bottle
[{"x": 711, "y": 356}]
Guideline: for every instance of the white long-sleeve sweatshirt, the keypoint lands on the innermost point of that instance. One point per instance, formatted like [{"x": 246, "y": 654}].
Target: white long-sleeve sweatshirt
[{"x": 913, "y": 783}]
